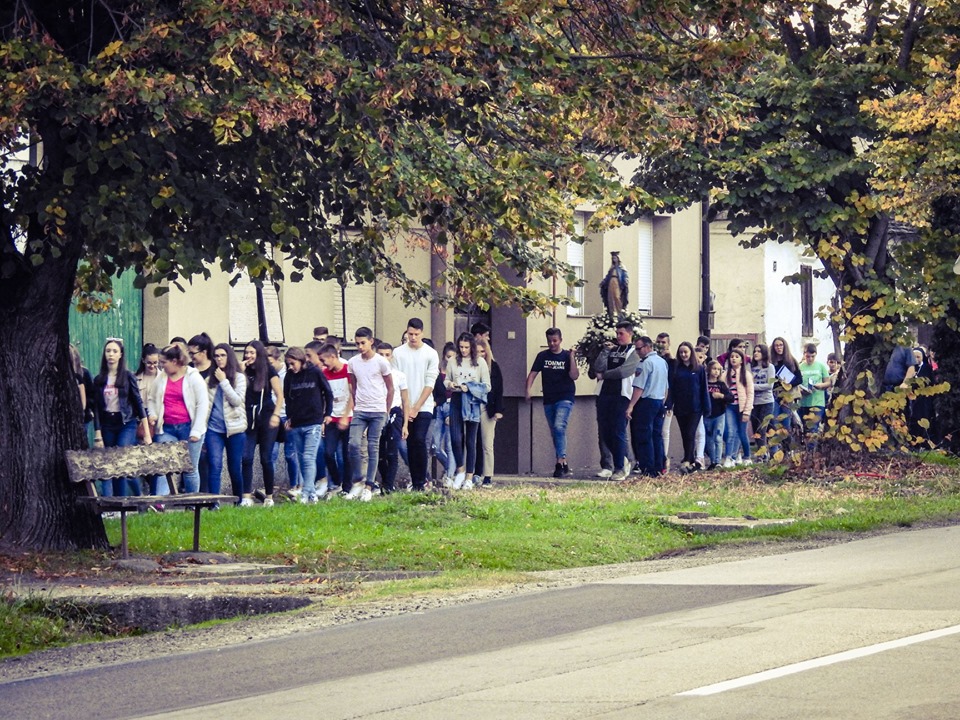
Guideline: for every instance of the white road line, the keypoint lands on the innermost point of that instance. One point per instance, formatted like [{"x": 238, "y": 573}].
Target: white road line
[{"x": 819, "y": 662}]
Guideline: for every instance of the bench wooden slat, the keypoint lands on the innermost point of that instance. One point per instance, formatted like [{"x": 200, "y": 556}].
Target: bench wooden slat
[
  {"x": 87, "y": 466},
  {"x": 132, "y": 461}
]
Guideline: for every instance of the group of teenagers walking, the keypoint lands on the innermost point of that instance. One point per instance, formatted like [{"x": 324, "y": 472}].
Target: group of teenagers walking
[
  {"x": 343, "y": 424},
  {"x": 731, "y": 410}
]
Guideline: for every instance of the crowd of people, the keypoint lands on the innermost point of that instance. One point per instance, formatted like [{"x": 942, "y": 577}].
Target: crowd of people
[
  {"x": 737, "y": 409},
  {"x": 344, "y": 424}
]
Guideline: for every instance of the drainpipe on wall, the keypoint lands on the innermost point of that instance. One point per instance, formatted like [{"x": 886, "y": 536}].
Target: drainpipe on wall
[
  {"x": 438, "y": 313},
  {"x": 706, "y": 299}
]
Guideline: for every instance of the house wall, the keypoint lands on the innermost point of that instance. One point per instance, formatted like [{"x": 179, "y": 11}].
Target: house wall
[
  {"x": 783, "y": 300},
  {"x": 737, "y": 279},
  {"x": 753, "y": 301}
]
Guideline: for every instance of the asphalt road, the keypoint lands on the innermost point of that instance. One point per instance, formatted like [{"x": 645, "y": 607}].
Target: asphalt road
[{"x": 869, "y": 629}]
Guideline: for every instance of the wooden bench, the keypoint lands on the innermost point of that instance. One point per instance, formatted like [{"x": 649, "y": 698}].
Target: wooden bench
[{"x": 169, "y": 459}]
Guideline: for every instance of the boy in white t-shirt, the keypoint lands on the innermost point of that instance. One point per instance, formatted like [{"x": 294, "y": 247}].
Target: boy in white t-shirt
[
  {"x": 371, "y": 387},
  {"x": 396, "y": 429}
]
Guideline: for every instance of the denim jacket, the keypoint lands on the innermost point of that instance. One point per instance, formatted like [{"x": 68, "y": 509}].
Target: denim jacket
[{"x": 470, "y": 403}]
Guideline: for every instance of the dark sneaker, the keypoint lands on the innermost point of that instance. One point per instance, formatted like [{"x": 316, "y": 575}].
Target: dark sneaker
[
  {"x": 558, "y": 471},
  {"x": 567, "y": 472}
]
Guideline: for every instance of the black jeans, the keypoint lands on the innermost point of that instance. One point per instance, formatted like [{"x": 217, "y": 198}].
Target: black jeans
[
  {"x": 264, "y": 436},
  {"x": 688, "y": 423},
  {"x": 389, "y": 460},
  {"x": 417, "y": 448}
]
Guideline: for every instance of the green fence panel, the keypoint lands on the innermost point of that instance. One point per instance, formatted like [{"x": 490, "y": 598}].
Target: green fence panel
[{"x": 89, "y": 331}]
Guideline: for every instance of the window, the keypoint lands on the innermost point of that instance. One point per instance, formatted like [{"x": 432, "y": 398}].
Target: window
[
  {"x": 576, "y": 260},
  {"x": 354, "y": 306},
  {"x": 806, "y": 300},
  {"x": 255, "y": 311},
  {"x": 641, "y": 291}
]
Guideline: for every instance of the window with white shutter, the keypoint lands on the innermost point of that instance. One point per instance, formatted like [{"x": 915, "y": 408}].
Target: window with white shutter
[
  {"x": 641, "y": 287},
  {"x": 576, "y": 260}
]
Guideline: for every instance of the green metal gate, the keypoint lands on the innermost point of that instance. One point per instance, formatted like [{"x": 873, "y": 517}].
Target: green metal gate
[{"x": 124, "y": 320}]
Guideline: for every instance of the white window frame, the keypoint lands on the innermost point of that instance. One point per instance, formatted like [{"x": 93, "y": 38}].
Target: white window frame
[
  {"x": 576, "y": 259},
  {"x": 641, "y": 290}
]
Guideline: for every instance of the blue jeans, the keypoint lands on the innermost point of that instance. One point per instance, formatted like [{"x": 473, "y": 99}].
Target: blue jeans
[
  {"x": 557, "y": 414},
  {"x": 714, "y": 427},
  {"x": 337, "y": 455},
  {"x": 373, "y": 423},
  {"x": 642, "y": 422},
  {"x": 440, "y": 439},
  {"x": 782, "y": 422},
  {"x": 612, "y": 420},
  {"x": 735, "y": 436},
  {"x": 216, "y": 443},
  {"x": 172, "y": 433},
  {"x": 120, "y": 436},
  {"x": 306, "y": 441},
  {"x": 812, "y": 417}
]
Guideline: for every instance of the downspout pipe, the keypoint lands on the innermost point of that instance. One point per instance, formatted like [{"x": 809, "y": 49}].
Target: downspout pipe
[{"x": 706, "y": 302}]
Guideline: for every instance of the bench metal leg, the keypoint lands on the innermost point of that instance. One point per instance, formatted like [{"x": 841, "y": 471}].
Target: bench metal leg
[
  {"x": 196, "y": 528},
  {"x": 124, "y": 549}
]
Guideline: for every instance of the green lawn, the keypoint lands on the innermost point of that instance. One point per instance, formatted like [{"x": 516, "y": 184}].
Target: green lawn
[
  {"x": 489, "y": 537},
  {"x": 530, "y": 528}
]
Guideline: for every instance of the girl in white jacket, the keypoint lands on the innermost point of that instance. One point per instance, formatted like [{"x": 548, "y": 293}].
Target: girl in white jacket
[
  {"x": 179, "y": 407},
  {"x": 227, "y": 422}
]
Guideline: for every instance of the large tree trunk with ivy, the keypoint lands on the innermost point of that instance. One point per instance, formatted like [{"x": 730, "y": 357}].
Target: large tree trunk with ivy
[{"x": 40, "y": 414}]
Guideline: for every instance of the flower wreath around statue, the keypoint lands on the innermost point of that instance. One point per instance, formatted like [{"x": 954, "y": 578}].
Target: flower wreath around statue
[{"x": 603, "y": 329}]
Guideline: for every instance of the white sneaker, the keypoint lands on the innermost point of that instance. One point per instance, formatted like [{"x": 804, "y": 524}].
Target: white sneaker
[
  {"x": 467, "y": 484},
  {"x": 268, "y": 501},
  {"x": 747, "y": 462},
  {"x": 604, "y": 473},
  {"x": 356, "y": 490},
  {"x": 308, "y": 499},
  {"x": 727, "y": 463},
  {"x": 458, "y": 480},
  {"x": 294, "y": 492},
  {"x": 366, "y": 494},
  {"x": 619, "y": 475},
  {"x": 246, "y": 502},
  {"x": 448, "y": 481}
]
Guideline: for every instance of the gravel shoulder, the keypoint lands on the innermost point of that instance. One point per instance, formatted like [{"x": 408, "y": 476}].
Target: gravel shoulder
[{"x": 323, "y": 614}]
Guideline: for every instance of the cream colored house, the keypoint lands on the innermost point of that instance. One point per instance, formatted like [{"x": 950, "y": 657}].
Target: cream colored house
[
  {"x": 753, "y": 302},
  {"x": 661, "y": 255}
]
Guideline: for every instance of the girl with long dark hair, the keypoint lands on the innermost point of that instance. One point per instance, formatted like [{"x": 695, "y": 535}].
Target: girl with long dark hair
[
  {"x": 787, "y": 371},
  {"x": 764, "y": 379},
  {"x": 226, "y": 426},
  {"x": 468, "y": 378},
  {"x": 263, "y": 418},
  {"x": 740, "y": 383},
  {"x": 688, "y": 387},
  {"x": 118, "y": 411}
]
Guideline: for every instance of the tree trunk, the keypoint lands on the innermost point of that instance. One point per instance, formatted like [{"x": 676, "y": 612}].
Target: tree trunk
[
  {"x": 40, "y": 414},
  {"x": 946, "y": 345}
]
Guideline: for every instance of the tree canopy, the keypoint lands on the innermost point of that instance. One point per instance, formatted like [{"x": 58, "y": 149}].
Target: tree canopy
[{"x": 177, "y": 135}]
